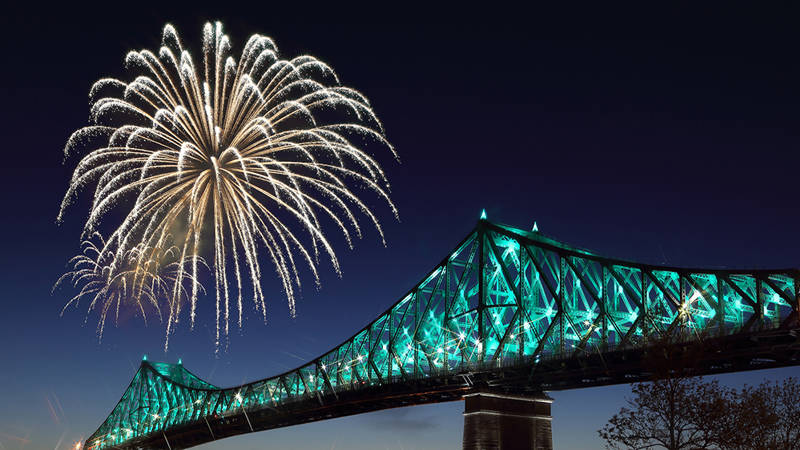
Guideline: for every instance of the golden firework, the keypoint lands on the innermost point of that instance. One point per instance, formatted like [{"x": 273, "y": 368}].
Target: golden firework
[{"x": 233, "y": 158}]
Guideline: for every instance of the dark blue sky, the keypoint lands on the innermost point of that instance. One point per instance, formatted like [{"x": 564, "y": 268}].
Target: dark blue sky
[{"x": 660, "y": 136}]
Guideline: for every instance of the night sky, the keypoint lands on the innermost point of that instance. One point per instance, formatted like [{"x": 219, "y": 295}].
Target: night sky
[{"x": 665, "y": 136}]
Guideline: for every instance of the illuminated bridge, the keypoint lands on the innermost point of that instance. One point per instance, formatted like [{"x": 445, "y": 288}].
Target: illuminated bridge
[{"x": 506, "y": 315}]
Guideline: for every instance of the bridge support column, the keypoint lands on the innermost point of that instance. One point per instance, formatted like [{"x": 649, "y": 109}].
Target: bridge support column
[{"x": 497, "y": 421}]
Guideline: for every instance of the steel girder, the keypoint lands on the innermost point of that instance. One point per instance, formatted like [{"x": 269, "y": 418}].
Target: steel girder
[{"x": 503, "y": 298}]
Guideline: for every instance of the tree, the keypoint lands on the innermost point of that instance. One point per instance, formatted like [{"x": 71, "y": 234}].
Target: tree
[
  {"x": 666, "y": 414},
  {"x": 687, "y": 413},
  {"x": 765, "y": 417}
]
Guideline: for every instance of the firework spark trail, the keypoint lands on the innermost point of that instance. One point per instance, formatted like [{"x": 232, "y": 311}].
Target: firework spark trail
[
  {"x": 243, "y": 154},
  {"x": 22, "y": 440},
  {"x": 54, "y": 407}
]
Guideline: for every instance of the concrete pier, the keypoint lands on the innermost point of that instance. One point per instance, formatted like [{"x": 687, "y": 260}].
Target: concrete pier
[{"x": 498, "y": 421}]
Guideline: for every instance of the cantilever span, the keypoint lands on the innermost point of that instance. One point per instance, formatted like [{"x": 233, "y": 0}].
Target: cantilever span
[{"x": 507, "y": 308}]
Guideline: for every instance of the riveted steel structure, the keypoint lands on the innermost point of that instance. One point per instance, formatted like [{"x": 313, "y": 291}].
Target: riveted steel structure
[{"x": 507, "y": 309}]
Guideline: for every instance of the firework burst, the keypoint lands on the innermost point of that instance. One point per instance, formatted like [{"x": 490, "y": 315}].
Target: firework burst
[
  {"x": 141, "y": 278},
  {"x": 231, "y": 158}
]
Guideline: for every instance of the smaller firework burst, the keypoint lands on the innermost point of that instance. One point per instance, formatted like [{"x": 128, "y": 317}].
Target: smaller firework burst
[{"x": 146, "y": 279}]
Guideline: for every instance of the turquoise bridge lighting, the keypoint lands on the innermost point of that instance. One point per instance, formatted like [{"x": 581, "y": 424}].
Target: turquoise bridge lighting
[{"x": 504, "y": 298}]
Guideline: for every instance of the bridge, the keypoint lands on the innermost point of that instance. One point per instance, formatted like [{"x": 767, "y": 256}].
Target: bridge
[{"x": 507, "y": 315}]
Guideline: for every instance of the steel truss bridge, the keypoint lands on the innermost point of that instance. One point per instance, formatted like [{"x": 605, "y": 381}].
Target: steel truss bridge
[{"x": 507, "y": 309}]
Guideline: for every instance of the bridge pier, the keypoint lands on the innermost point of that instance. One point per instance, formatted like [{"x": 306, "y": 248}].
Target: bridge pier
[{"x": 499, "y": 421}]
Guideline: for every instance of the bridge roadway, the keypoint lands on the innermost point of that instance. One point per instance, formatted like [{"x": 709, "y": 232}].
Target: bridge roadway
[{"x": 509, "y": 312}]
